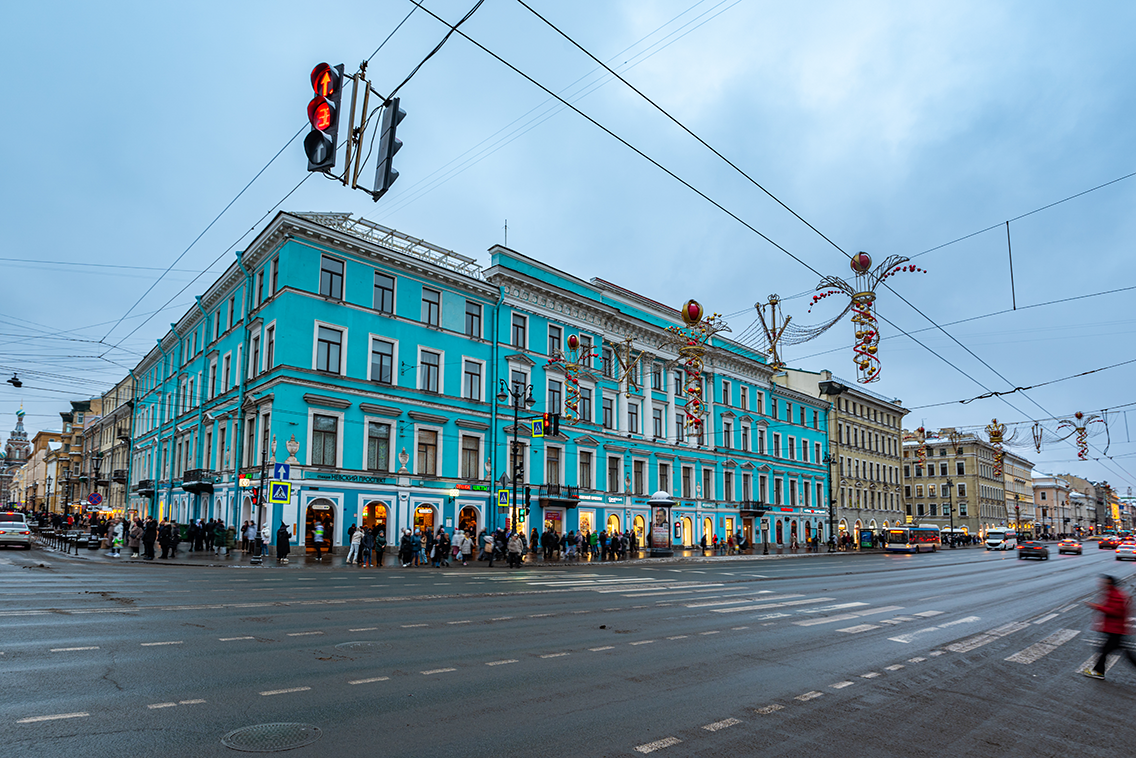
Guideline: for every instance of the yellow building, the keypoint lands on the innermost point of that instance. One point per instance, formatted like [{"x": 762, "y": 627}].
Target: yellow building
[{"x": 949, "y": 481}]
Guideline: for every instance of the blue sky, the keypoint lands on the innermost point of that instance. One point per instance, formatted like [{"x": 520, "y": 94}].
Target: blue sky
[{"x": 891, "y": 127}]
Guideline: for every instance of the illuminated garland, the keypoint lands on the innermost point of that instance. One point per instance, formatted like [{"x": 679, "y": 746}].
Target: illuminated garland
[
  {"x": 691, "y": 342},
  {"x": 573, "y": 363},
  {"x": 1079, "y": 425},
  {"x": 997, "y": 434}
]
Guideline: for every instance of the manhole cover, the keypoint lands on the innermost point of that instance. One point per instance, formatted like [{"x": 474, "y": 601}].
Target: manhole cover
[
  {"x": 270, "y": 738},
  {"x": 362, "y": 647}
]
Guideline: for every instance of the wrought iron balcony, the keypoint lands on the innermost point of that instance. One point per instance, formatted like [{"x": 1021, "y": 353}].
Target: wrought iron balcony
[
  {"x": 199, "y": 480},
  {"x": 118, "y": 476},
  {"x": 145, "y": 487},
  {"x": 754, "y": 508},
  {"x": 560, "y": 494}
]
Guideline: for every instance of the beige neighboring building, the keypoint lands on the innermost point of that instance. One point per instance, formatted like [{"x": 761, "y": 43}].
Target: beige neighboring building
[
  {"x": 1055, "y": 501},
  {"x": 38, "y": 478},
  {"x": 956, "y": 485},
  {"x": 864, "y": 443},
  {"x": 114, "y": 433},
  {"x": 74, "y": 421},
  {"x": 1018, "y": 487}
]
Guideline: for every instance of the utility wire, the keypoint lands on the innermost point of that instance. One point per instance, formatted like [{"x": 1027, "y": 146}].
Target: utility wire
[
  {"x": 432, "y": 53},
  {"x": 1023, "y": 389}
]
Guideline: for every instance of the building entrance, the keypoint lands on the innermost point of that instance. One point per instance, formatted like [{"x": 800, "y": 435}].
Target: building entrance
[
  {"x": 321, "y": 512},
  {"x": 424, "y": 518}
]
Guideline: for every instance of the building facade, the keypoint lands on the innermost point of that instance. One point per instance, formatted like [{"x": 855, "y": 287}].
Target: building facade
[
  {"x": 386, "y": 375},
  {"x": 15, "y": 454},
  {"x": 1018, "y": 486},
  {"x": 949, "y": 481},
  {"x": 1057, "y": 507}
]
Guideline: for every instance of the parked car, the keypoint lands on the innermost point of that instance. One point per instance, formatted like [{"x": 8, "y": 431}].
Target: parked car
[
  {"x": 1110, "y": 541},
  {"x": 14, "y": 530},
  {"x": 1033, "y": 550},
  {"x": 1126, "y": 552},
  {"x": 1069, "y": 546}
]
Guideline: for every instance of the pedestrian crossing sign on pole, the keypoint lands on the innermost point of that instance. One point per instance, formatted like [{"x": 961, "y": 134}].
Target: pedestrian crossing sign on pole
[
  {"x": 280, "y": 492},
  {"x": 503, "y": 498},
  {"x": 537, "y": 428}
]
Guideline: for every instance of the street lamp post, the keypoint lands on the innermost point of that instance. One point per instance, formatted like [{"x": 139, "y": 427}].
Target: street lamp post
[
  {"x": 48, "y": 501},
  {"x": 829, "y": 459},
  {"x": 520, "y": 393},
  {"x": 951, "y": 509},
  {"x": 96, "y": 466}
]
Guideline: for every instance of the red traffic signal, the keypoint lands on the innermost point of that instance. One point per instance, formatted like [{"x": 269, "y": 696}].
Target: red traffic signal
[
  {"x": 323, "y": 114},
  {"x": 254, "y": 495}
]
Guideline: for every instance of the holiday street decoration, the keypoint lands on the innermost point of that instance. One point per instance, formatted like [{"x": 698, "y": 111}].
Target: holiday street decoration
[
  {"x": 629, "y": 377},
  {"x": 863, "y": 306},
  {"x": 691, "y": 342},
  {"x": 997, "y": 434},
  {"x": 779, "y": 330},
  {"x": 921, "y": 436},
  {"x": 575, "y": 361},
  {"x": 1081, "y": 426},
  {"x": 1038, "y": 435}
]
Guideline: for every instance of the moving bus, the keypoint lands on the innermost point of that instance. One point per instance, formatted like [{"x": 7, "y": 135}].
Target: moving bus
[
  {"x": 1001, "y": 539},
  {"x": 913, "y": 539}
]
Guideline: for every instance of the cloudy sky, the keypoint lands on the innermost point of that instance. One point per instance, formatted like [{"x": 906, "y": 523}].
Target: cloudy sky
[{"x": 892, "y": 128}]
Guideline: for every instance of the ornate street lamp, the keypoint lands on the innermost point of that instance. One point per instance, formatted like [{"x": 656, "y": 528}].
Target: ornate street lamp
[{"x": 521, "y": 394}]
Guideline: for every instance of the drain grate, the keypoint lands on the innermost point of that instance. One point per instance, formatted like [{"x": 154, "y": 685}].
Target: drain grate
[
  {"x": 271, "y": 738},
  {"x": 363, "y": 647}
]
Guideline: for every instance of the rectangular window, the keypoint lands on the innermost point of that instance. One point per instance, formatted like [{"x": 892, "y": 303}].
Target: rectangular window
[
  {"x": 727, "y": 434},
  {"x": 747, "y": 488},
  {"x": 962, "y": 490},
  {"x": 657, "y": 423},
  {"x": 520, "y": 327},
  {"x": 931, "y": 490},
  {"x": 331, "y": 278},
  {"x": 259, "y": 287},
  {"x": 707, "y": 484},
  {"x": 960, "y": 468},
  {"x": 226, "y": 374},
  {"x": 269, "y": 348},
  {"x": 919, "y": 490},
  {"x": 776, "y": 451},
  {"x": 725, "y": 393},
  {"x": 687, "y": 475},
  {"x": 745, "y": 439},
  {"x": 472, "y": 319},
  {"x": 816, "y": 452},
  {"x": 431, "y": 306},
  {"x": 554, "y": 343},
  {"x": 962, "y": 509},
  {"x": 762, "y": 489},
  {"x": 325, "y": 436},
  {"x": 384, "y": 293},
  {"x": 613, "y": 474},
  {"x": 382, "y": 361},
  {"x": 427, "y": 453},
  {"x": 585, "y": 404},
  {"x": 232, "y": 311},
  {"x": 656, "y": 376},
  {"x": 907, "y": 490},
  {"x": 793, "y": 493},
  {"x": 429, "y": 371},
  {"x": 585, "y": 480},
  {"x": 639, "y": 477},
  {"x": 520, "y": 382},
  {"x": 470, "y": 457},
  {"x": 607, "y": 363},
  {"x": 777, "y": 492},
  {"x": 633, "y": 418},
  {"x": 805, "y": 451},
  {"x": 665, "y": 476},
  {"x": 802, "y": 415},
  {"x": 471, "y": 381},
  {"x": 378, "y": 446},
  {"x": 328, "y": 346},
  {"x": 943, "y": 468},
  {"x": 728, "y": 486},
  {"x": 761, "y": 442},
  {"x": 792, "y": 449},
  {"x": 680, "y": 426},
  {"x": 254, "y": 355},
  {"x": 555, "y": 397},
  {"x": 744, "y": 398},
  {"x": 773, "y": 407},
  {"x": 586, "y": 350},
  {"x": 212, "y": 380},
  {"x": 608, "y": 413},
  {"x": 552, "y": 465},
  {"x": 275, "y": 275}
]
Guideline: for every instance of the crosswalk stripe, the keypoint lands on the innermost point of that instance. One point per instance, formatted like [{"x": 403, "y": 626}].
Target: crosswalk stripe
[
  {"x": 651, "y": 747},
  {"x": 763, "y": 606},
  {"x": 858, "y": 628},
  {"x": 986, "y": 638},
  {"x": 741, "y": 600},
  {"x": 1039, "y": 650}
]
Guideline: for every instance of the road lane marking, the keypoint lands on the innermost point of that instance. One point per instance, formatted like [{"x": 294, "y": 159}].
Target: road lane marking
[
  {"x": 916, "y": 660},
  {"x": 467, "y": 621},
  {"x": 53, "y": 717},
  {"x": 928, "y": 614},
  {"x": 161, "y": 705},
  {"x": 1112, "y": 659},
  {"x": 368, "y": 681},
  {"x": 713, "y": 632},
  {"x": 598, "y": 649},
  {"x": 678, "y": 637},
  {"x": 808, "y": 696},
  {"x": 738, "y": 628},
  {"x": 825, "y": 620},
  {"x": 737, "y": 601},
  {"x": 910, "y": 636},
  {"x": 437, "y": 671},
  {"x": 870, "y": 675},
  {"x": 643, "y": 642},
  {"x": 723, "y": 724},
  {"x": 285, "y": 692},
  {"x": 1043, "y": 648},
  {"x": 651, "y": 747},
  {"x": 155, "y": 644},
  {"x": 896, "y": 667},
  {"x": 501, "y": 663},
  {"x": 196, "y": 701},
  {"x": 1045, "y": 618},
  {"x": 935, "y": 653},
  {"x": 73, "y": 649},
  {"x": 554, "y": 655},
  {"x": 763, "y": 606},
  {"x": 769, "y": 709},
  {"x": 841, "y": 685},
  {"x": 412, "y": 626},
  {"x": 858, "y": 628},
  {"x": 303, "y": 634},
  {"x": 231, "y": 639},
  {"x": 499, "y": 618},
  {"x": 873, "y": 611},
  {"x": 986, "y": 638},
  {"x": 360, "y": 629}
]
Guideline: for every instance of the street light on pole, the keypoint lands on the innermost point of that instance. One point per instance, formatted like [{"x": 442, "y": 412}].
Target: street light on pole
[
  {"x": 829, "y": 459},
  {"x": 520, "y": 394},
  {"x": 951, "y": 509}
]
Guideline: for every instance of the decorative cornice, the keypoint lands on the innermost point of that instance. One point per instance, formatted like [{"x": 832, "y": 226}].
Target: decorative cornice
[
  {"x": 465, "y": 423},
  {"x": 428, "y": 418},
  {"x": 380, "y": 410},
  {"x": 328, "y": 402}
]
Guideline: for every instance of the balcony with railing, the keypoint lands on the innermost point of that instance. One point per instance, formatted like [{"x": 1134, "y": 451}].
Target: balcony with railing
[
  {"x": 563, "y": 495},
  {"x": 118, "y": 476},
  {"x": 199, "y": 480},
  {"x": 145, "y": 487}
]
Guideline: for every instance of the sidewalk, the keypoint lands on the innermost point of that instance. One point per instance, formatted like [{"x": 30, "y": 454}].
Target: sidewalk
[{"x": 237, "y": 559}]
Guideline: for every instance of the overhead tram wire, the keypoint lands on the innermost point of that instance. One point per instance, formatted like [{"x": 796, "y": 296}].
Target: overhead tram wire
[{"x": 717, "y": 204}]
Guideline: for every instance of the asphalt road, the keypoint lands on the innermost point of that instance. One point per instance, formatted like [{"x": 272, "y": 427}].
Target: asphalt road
[{"x": 959, "y": 653}]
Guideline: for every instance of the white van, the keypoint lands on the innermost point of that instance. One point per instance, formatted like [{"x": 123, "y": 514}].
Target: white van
[{"x": 1001, "y": 539}]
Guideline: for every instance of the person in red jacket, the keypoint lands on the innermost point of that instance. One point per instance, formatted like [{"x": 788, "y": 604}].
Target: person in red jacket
[{"x": 1113, "y": 623}]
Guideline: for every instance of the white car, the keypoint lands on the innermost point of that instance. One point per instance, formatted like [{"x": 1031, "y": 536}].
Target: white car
[
  {"x": 14, "y": 530},
  {"x": 1126, "y": 552}
]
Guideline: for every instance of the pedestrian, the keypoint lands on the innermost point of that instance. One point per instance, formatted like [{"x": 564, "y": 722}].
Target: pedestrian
[
  {"x": 490, "y": 547},
  {"x": 250, "y": 537},
  {"x": 149, "y": 534},
  {"x": 317, "y": 539},
  {"x": 219, "y": 534},
  {"x": 380, "y": 532},
  {"x": 283, "y": 543},
  {"x": 516, "y": 547},
  {"x": 164, "y": 539},
  {"x": 356, "y": 544},
  {"x": 406, "y": 548},
  {"x": 117, "y": 533},
  {"x": 1113, "y": 623},
  {"x": 534, "y": 538},
  {"x": 466, "y": 548},
  {"x": 366, "y": 546},
  {"x": 265, "y": 539}
]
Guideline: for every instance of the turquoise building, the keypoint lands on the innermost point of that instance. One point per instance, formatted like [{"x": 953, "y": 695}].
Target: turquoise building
[{"x": 381, "y": 372}]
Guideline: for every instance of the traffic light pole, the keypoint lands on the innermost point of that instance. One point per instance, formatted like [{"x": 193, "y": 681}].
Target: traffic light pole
[
  {"x": 258, "y": 548},
  {"x": 519, "y": 394}
]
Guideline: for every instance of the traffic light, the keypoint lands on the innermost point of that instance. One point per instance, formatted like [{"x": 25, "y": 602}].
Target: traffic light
[
  {"x": 528, "y": 495},
  {"x": 323, "y": 113},
  {"x": 389, "y": 144},
  {"x": 254, "y": 495},
  {"x": 554, "y": 427}
]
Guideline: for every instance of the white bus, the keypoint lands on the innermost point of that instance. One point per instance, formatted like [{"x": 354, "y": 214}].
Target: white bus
[{"x": 1001, "y": 539}]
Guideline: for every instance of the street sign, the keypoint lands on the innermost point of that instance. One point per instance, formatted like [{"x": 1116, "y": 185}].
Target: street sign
[
  {"x": 282, "y": 472},
  {"x": 503, "y": 498},
  {"x": 280, "y": 492},
  {"x": 95, "y": 498},
  {"x": 537, "y": 428}
]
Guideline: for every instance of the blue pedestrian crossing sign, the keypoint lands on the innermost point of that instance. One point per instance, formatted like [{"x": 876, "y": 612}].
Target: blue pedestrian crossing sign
[
  {"x": 281, "y": 472},
  {"x": 537, "y": 428},
  {"x": 280, "y": 492},
  {"x": 503, "y": 498}
]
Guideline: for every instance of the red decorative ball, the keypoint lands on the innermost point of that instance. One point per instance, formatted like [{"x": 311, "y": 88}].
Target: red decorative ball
[
  {"x": 573, "y": 342},
  {"x": 861, "y": 263},
  {"x": 692, "y": 312}
]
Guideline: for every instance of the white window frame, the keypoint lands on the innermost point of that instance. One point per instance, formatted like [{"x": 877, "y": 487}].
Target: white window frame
[
  {"x": 438, "y": 454},
  {"x": 393, "y": 424},
  {"x": 441, "y": 374},
  {"x": 342, "y": 346},
  {"x": 394, "y": 357},
  {"x": 312, "y": 413},
  {"x": 563, "y": 464},
  {"x": 467, "y": 360},
  {"x": 595, "y": 457},
  {"x": 264, "y": 345}
]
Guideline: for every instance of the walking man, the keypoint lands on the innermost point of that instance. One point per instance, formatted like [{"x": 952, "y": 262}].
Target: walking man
[{"x": 1113, "y": 623}]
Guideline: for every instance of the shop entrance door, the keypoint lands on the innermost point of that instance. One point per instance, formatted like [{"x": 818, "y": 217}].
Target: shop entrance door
[
  {"x": 321, "y": 512},
  {"x": 424, "y": 518}
]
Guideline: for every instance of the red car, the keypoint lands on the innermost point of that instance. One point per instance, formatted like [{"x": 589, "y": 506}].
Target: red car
[{"x": 1110, "y": 541}]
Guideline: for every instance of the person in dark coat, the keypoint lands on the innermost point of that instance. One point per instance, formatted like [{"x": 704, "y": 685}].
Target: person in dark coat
[
  {"x": 164, "y": 539},
  {"x": 283, "y": 543},
  {"x": 149, "y": 534}
]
